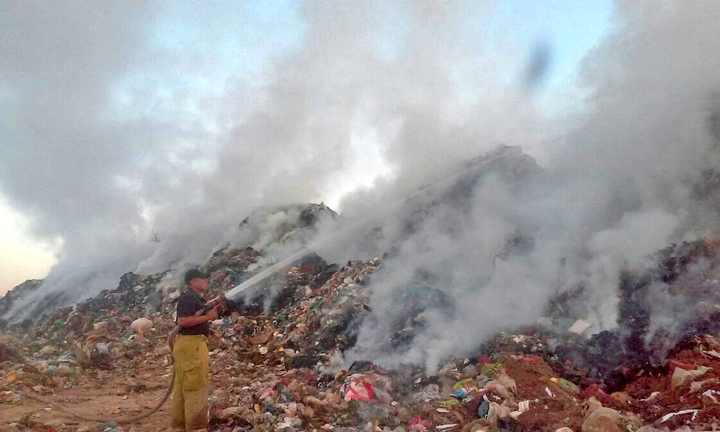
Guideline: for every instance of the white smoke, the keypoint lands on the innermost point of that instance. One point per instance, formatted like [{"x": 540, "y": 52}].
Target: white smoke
[
  {"x": 616, "y": 189},
  {"x": 113, "y": 137},
  {"x": 618, "y": 181}
]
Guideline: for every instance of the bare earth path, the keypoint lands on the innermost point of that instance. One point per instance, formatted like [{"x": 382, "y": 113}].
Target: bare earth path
[{"x": 105, "y": 393}]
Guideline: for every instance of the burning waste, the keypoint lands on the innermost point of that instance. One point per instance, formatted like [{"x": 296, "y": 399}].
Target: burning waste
[
  {"x": 319, "y": 345},
  {"x": 572, "y": 286}
]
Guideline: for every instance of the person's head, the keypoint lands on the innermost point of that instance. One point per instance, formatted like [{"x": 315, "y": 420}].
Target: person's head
[{"x": 196, "y": 280}]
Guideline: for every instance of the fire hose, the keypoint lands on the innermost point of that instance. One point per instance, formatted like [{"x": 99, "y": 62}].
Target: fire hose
[{"x": 217, "y": 301}]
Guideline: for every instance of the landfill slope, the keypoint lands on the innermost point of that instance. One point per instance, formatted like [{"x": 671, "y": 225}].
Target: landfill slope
[
  {"x": 277, "y": 360},
  {"x": 287, "y": 354},
  {"x": 8, "y": 300}
]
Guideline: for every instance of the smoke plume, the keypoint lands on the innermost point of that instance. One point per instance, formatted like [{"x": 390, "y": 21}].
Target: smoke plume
[{"x": 112, "y": 135}]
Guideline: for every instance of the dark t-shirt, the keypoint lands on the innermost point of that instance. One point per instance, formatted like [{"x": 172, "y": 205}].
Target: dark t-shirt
[{"x": 188, "y": 305}]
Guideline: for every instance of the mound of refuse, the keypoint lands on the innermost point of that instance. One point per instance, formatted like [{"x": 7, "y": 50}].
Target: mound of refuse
[
  {"x": 305, "y": 347},
  {"x": 277, "y": 355},
  {"x": 20, "y": 291}
]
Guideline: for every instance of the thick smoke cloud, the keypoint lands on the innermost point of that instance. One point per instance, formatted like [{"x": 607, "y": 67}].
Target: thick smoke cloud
[
  {"x": 616, "y": 189},
  {"x": 111, "y": 135}
]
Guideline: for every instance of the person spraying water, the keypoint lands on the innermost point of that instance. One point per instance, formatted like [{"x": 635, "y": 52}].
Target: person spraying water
[{"x": 190, "y": 354}]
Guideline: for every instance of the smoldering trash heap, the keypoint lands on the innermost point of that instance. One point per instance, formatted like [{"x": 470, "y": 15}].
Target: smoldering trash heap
[{"x": 380, "y": 343}]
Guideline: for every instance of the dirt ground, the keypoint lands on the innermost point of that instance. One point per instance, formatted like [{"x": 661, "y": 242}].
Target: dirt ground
[{"x": 109, "y": 394}]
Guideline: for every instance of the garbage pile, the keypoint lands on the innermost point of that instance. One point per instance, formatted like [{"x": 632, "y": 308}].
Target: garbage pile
[
  {"x": 9, "y": 299},
  {"x": 277, "y": 359},
  {"x": 683, "y": 288}
]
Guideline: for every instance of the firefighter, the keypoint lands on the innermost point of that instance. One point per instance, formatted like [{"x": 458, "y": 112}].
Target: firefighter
[{"x": 189, "y": 410}]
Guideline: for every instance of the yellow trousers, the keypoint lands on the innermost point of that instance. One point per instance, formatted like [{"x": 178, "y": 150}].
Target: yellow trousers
[{"x": 189, "y": 410}]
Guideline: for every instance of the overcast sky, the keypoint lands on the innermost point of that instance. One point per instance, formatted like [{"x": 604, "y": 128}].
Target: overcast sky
[{"x": 112, "y": 111}]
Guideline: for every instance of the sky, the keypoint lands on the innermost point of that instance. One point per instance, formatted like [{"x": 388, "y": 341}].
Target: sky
[
  {"x": 145, "y": 86},
  {"x": 22, "y": 256}
]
